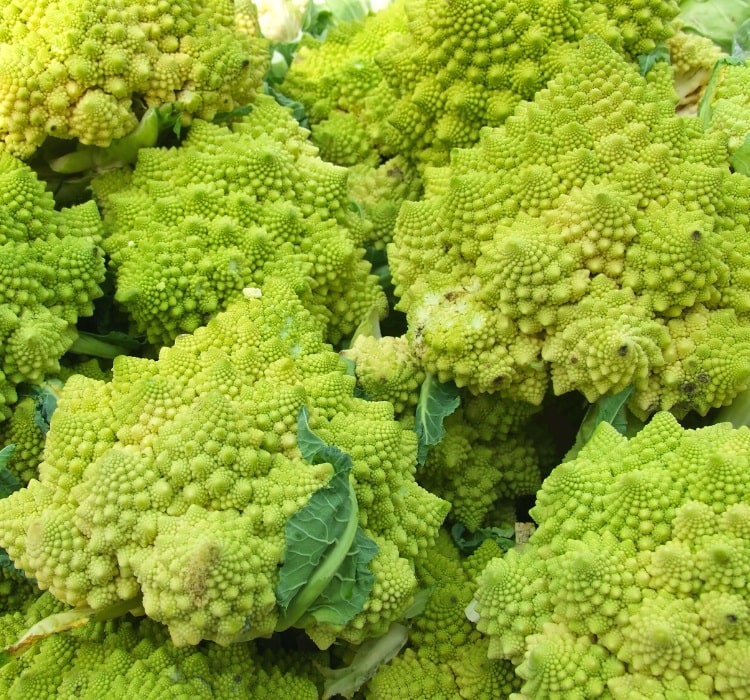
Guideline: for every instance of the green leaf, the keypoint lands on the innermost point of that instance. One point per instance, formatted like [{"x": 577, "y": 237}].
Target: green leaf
[
  {"x": 236, "y": 113},
  {"x": 324, "y": 577},
  {"x": 66, "y": 620},
  {"x": 647, "y": 61},
  {"x": 8, "y": 481},
  {"x": 436, "y": 402},
  {"x": 346, "y": 681},
  {"x": 741, "y": 157},
  {"x": 467, "y": 542},
  {"x": 705, "y": 106},
  {"x": 342, "y": 598},
  {"x": 297, "y": 108},
  {"x": 716, "y": 19},
  {"x": 608, "y": 409},
  {"x": 45, "y": 398}
]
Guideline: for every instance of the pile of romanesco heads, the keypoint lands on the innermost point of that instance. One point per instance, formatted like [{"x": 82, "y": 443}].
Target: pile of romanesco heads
[
  {"x": 424, "y": 76},
  {"x": 127, "y": 658},
  {"x": 270, "y": 486},
  {"x": 197, "y": 224}
]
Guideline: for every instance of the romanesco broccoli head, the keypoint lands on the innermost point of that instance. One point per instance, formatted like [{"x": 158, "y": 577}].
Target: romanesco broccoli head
[
  {"x": 464, "y": 65},
  {"x": 339, "y": 83},
  {"x": 133, "y": 657},
  {"x": 637, "y": 574},
  {"x": 596, "y": 240},
  {"x": 51, "y": 268},
  {"x": 199, "y": 223},
  {"x": 87, "y": 70},
  {"x": 189, "y": 481}
]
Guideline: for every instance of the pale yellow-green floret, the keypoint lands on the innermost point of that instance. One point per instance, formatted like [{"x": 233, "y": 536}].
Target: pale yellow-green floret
[{"x": 88, "y": 70}]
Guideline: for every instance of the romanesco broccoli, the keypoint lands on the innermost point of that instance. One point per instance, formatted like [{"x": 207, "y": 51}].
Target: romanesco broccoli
[
  {"x": 133, "y": 657},
  {"x": 596, "y": 240},
  {"x": 51, "y": 269},
  {"x": 634, "y": 585},
  {"x": 88, "y": 70},
  {"x": 198, "y": 223},
  {"x": 177, "y": 482}
]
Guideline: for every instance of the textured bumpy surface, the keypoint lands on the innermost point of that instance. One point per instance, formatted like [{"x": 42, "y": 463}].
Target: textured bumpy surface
[
  {"x": 595, "y": 239},
  {"x": 84, "y": 70},
  {"x": 51, "y": 267},
  {"x": 636, "y": 579},
  {"x": 424, "y": 76},
  {"x": 446, "y": 658},
  {"x": 175, "y": 480},
  {"x": 198, "y": 223},
  {"x": 129, "y": 657}
]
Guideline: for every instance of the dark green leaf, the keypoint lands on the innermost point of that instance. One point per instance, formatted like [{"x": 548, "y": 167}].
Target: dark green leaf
[
  {"x": 608, "y": 409},
  {"x": 467, "y": 541},
  {"x": 324, "y": 575},
  {"x": 297, "y": 108},
  {"x": 236, "y": 113},
  {"x": 347, "y": 591},
  {"x": 8, "y": 481},
  {"x": 648, "y": 60},
  {"x": 436, "y": 402}
]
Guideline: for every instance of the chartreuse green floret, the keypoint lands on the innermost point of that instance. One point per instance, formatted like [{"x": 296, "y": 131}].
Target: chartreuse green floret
[
  {"x": 87, "y": 70},
  {"x": 339, "y": 83},
  {"x": 347, "y": 103},
  {"x": 596, "y": 241},
  {"x": 634, "y": 584},
  {"x": 51, "y": 268},
  {"x": 25, "y": 429},
  {"x": 379, "y": 192},
  {"x": 387, "y": 370},
  {"x": 182, "y": 482},
  {"x": 134, "y": 657},
  {"x": 198, "y": 223},
  {"x": 445, "y": 657}
]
